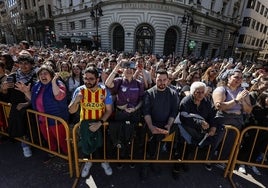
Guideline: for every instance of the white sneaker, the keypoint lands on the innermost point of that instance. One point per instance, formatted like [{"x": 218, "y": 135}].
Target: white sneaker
[
  {"x": 255, "y": 170},
  {"x": 27, "y": 152},
  {"x": 242, "y": 169},
  {"x": 86, "y": 169},
  {"x": 107, "y": 169}
]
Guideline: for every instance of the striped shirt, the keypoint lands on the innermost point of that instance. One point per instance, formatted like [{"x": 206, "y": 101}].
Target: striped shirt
[{"x": 93, "y": 103}]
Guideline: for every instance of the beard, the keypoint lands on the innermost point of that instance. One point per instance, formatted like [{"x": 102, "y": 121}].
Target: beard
[
  {"x": 91, "y": 85},
  {"x": 161, "y": 86}
]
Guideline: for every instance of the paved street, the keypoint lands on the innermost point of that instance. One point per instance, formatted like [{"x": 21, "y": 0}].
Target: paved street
[{"x": 17, "y": 171}]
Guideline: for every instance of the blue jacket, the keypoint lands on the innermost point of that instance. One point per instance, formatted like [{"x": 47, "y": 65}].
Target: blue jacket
[{"x": 51, "y": 105}]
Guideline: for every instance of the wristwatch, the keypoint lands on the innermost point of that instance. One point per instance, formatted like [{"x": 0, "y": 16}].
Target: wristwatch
[
  {"x": 236, "y": 101},
  {"x": 101, "y": 121}
]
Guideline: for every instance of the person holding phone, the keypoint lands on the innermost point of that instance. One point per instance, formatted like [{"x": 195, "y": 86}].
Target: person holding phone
[
  {"x": 128, "y": 93},
  {"x": 17, "y": 121}
]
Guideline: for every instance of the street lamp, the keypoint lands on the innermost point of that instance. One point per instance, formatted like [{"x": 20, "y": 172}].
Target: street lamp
[
  {"x": 188, "y": 20},
  {"x": 95, "y": 14}
]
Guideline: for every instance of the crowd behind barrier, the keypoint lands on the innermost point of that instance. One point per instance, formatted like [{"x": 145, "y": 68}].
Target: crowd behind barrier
[
  {"x": 236, "y": 91},
  {"x": 199, "y": 155},
  {"x": 137, "y": 155}
]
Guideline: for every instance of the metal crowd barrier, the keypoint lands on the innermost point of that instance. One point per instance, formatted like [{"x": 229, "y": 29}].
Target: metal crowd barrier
[
  {"x": 4, "y": 110},
  {"x": 198, "y": 155},
  {"x": 248, "y": 159},
  {"x": 35, "y": 136},
  {"x": 137, "y": 154}
]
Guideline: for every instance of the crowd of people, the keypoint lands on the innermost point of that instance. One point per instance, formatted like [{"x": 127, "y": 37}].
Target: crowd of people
[{"x": 191, "y": 97}]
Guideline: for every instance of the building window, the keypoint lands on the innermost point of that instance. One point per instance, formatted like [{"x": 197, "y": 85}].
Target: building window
[
  {"x": 219, "y": 34},
  {"x": 34, "y": 3},
  {"x": 49, "y": 11},
  {"x": 262, "y": 9},
  {"x": 261, "y": 43},
  {"x": 257, "y": 26},
  {"x": 251, "y": 4},
  {"x": 208, "y": 30},
  {"x": 42, "y": 11},
  {"x": 72, "y": 26},
  {"x": 248, "y": 39},
  {"x": 118, "y": 38},
  {"x": 257, "y": 42},
  {"x": 258, "y": 6},
  {"x": 212, "y": 4},
  {"x": 253, "y": 24},
  {"x": 71, "y": 3},
  {"x": 25, "y": 5},
  {"x": 223, "y": 7},
  {"x": 241, "y": 39},
  {"x": 246, "y": 21},
  {"x": 83, "y": 24},
  {"x": 36, "y": 15},
  {"x": 261, "y": 27},
  {"x": 60, "y": 27},
  {"x": 265, "y": 13},
  {"x": 195, "y": 28},
  {"x": 253, "y": 41},
  {"x": 265, "y": 29}
]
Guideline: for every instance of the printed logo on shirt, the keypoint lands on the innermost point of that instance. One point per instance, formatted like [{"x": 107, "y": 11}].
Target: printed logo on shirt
[{"x": 93, "y": 106}]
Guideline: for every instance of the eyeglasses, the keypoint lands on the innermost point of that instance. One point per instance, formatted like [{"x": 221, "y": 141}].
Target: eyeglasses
[
  {"x": 196, "y": 77},
  {"x": 213, "y": 71}
]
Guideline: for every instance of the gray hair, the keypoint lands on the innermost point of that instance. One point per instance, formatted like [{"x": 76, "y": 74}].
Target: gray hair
[{"x": 196, "y": 85}]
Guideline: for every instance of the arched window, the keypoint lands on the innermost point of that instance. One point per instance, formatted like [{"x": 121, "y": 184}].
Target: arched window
[
  {"x": 144, "y": 39},
  {"x": 118, "y": 38},
  {"x": 170, "y": 41}
]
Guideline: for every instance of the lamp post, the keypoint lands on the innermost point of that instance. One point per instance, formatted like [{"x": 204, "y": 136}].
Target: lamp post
[
  {"x": 95, "y": 14},
  {"x": 188, "y": 20}
]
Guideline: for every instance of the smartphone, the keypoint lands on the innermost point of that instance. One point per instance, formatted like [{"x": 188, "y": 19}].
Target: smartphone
[
  {"x": 10, "y": 79},
  {"x": 125, "y": 64}
]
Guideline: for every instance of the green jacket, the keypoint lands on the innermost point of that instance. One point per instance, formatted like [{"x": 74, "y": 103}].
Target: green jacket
[{"x": 89, "y": 141}]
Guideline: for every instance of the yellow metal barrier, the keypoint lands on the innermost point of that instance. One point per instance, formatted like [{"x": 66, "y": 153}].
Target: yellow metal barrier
[
  {"x": 34, "y": 115},
  {"x": 35, "y": 137},
  {"x": 249, "y": 161},
  {"x": 168, "y": 158},
  {"x": 200, "y": 155},
  {"x": 4, "y": 109}
]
